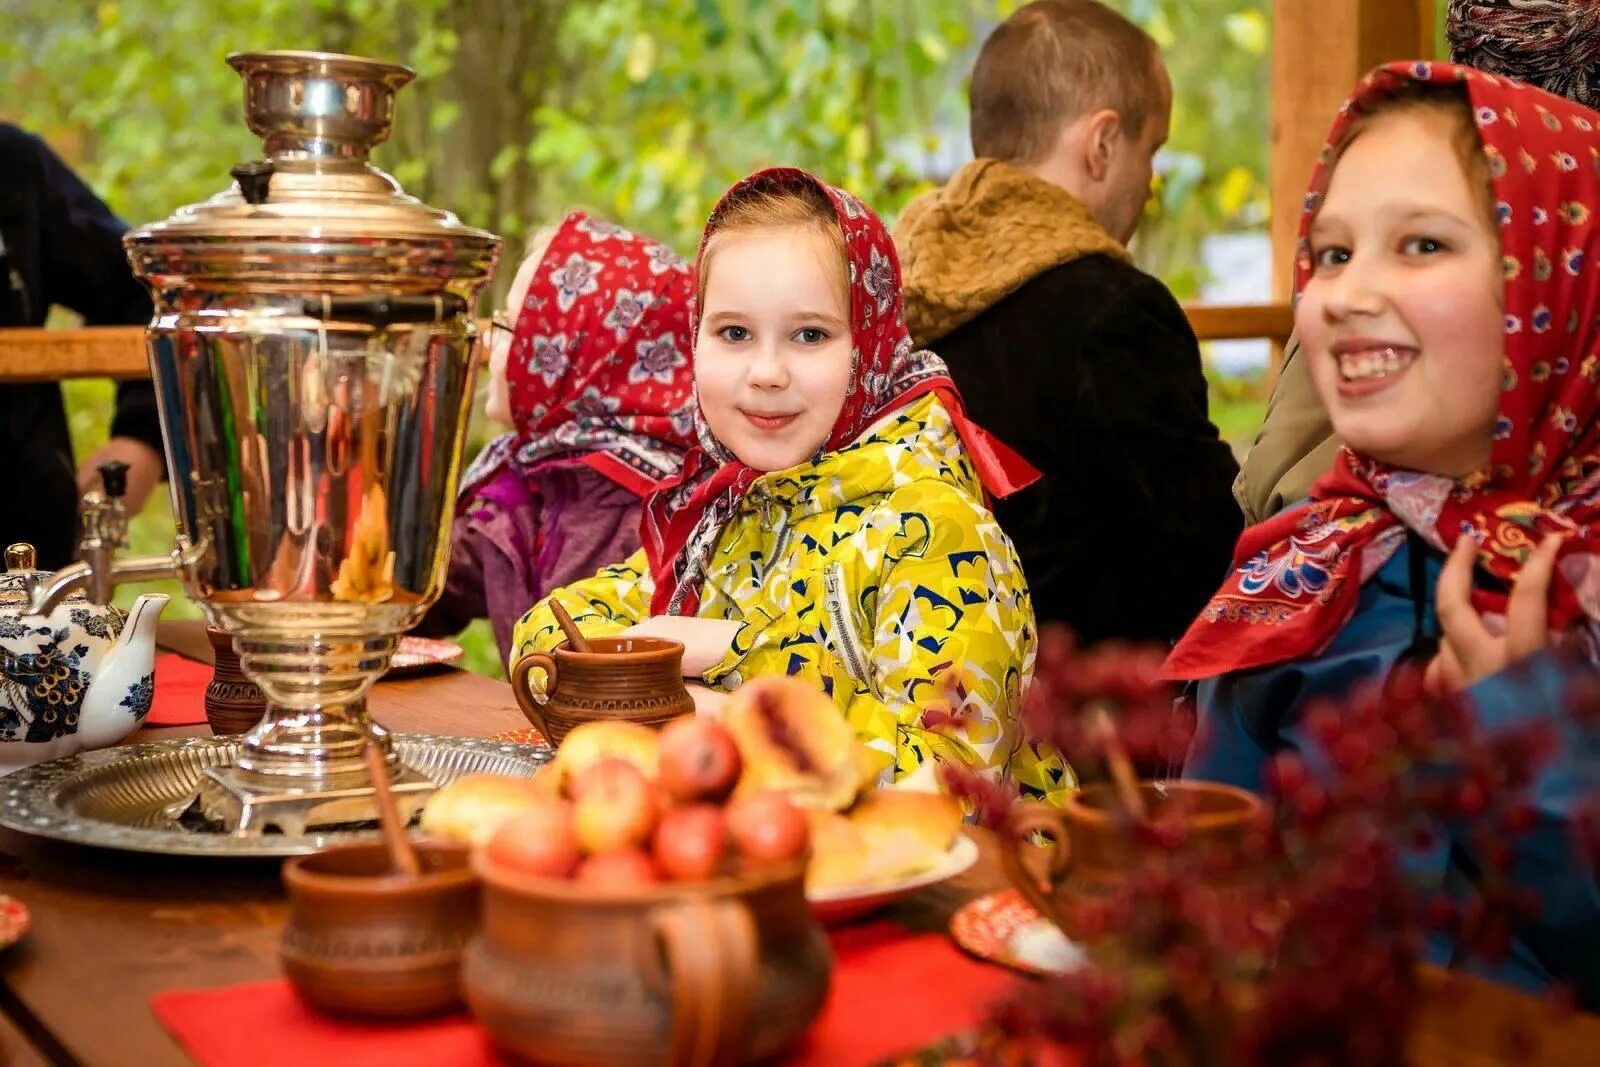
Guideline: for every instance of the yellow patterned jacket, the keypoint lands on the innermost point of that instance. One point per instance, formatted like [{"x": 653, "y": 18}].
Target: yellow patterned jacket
[{"x": 874, "y": 571}]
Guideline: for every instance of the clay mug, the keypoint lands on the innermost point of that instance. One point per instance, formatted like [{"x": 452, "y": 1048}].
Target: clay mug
[
  {"x": 633, "y": 679},
  {"x": 233, "y": 702},
  {"x": 677, "y": 974},
  {"x": 365, "y": 940},
  {"x": 1089, "y": 849}
]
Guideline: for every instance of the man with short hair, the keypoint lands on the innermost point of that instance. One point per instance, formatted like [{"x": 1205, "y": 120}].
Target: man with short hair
[{"x": 1018, "y": 274}]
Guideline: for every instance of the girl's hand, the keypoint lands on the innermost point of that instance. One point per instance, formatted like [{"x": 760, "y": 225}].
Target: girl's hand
[
  {"x": 707, "y": 701},
  {"x": 1469, "y": 652},
  {"x": 705, "y": 641},
  {"x": 145, "y": 467}
]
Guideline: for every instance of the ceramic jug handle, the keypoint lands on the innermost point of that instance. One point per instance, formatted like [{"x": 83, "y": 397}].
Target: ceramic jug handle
[
  {"x": 523, "y": 691},
  {"x": 710, "y": 949},
  {"x": 1017, "y": 845}
]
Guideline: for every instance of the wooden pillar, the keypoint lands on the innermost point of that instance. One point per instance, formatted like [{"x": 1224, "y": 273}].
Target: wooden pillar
[{"x": 1320, "y": 49}]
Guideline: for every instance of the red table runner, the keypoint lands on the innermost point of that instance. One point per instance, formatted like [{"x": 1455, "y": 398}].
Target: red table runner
[
  {"x": 180, "y": 696},
  {"x": 892, "y": 992}
]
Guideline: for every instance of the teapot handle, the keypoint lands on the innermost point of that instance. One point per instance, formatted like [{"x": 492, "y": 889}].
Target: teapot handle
[
  {"x": 523, "y": 690},
  {"x": 711, "y": 966},
  {"x": 1016, "y": 847}
]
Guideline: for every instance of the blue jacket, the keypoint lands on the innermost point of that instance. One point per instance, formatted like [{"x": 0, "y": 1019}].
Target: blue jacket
[{"x": 1249, "y": 716}]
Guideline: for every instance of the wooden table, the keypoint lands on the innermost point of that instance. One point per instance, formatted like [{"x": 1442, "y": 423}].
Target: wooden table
[{"x": 112, "y": 929}]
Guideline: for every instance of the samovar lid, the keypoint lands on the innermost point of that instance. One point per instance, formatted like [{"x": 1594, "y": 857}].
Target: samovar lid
[{"x": 319, "y": 115}]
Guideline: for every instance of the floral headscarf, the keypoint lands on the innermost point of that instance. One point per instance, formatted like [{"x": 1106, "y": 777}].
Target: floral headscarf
[
  {"x": 683, "y": 521},
  {"x": 1297, "y": 575},
  {"x": 1554, "y": 44},
  {"x": 598, "y": 368}
]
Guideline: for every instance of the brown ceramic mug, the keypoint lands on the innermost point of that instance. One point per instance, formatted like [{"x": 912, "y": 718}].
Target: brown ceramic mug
[
  {"x": 633, "y": 679},
  {"x": 233, "y": 702},
  {"x": 705, "y": 974},
  {"x": 1089, "y": 850},
  {"x": 363, "y": 940}
]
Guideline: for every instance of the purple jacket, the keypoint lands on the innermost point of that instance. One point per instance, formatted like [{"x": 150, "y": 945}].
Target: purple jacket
[{"x": 513, "y": 544}]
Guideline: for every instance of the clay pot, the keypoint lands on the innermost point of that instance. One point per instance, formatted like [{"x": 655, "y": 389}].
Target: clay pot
[
  {"x": 705, "y": 974},
  {"x": 634, "y": 679},
  {"x": 233, "y": 702},
  {"x": 362, "y": 940},
  {"x": 1090, "y": 849}
]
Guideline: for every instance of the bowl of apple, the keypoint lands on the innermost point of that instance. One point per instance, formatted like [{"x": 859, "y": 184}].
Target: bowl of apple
[{"x": 639, "y": 907}]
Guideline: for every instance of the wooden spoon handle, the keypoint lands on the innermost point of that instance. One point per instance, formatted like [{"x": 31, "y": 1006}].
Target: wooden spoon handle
[
  {"x": 401, "y": 854},
  {"x": 575, "y": 636},
  {"x": 1122, "y": 772}
]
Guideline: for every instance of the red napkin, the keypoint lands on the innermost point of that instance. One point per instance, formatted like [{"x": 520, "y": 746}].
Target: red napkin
[
  {"x": 180, "y": 698},
  {"x": 892, "y": 992}
]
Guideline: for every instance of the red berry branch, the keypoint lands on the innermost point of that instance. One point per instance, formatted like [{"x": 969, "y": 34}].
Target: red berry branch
[{"x": 1301, "y": 946}]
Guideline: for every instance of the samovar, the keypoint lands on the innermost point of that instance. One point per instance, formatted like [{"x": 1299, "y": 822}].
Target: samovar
[{"x": 312, "y": 355}]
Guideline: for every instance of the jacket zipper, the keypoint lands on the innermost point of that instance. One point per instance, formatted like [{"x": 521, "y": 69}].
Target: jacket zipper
[
  {"x": 839, "y": 611},
  {"x": 18, "y": 286}
]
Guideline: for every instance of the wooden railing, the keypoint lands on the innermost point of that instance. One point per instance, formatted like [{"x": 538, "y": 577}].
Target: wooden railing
[{"x": 119, "y": 352}]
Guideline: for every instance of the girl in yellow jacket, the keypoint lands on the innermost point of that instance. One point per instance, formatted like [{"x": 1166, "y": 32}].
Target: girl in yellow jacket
[{"x": 832, "y": 523}]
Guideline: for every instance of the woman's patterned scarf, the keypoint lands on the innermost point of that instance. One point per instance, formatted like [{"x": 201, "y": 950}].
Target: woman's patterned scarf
[
  {"x": 599, "y": 366},
  {"x": 683, "y": 521},
  {"x": 1554, "y": 44},
  {"x": 1297, "y": 576}
]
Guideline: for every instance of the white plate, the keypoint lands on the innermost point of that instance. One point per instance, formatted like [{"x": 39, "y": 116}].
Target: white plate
[
  {"x": 839, "y": 905},
  {"x": 419, "y": 653}
]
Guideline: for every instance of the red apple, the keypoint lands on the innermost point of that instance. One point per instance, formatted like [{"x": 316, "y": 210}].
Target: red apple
[
  {"x": 539, "y": 840},
  {"x": 614, "y": 807},
  {"x": 619, "y": 870},
  {"x": 699, "y": 760},
  {"x": 767, "y": 827},
  {"x": 690, "y": 842}
]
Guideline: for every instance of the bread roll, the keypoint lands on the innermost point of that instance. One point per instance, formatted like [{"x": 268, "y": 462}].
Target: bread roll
[
  {"x": 471, "y": 809},
  {"x": 905, "y": 832},
  {"x": 795, "y": 740},
  {"x": 837, "y": 853}
]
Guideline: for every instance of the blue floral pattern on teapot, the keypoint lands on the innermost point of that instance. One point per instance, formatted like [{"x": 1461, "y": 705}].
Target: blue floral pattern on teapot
[{"x": 79, "y": 678}]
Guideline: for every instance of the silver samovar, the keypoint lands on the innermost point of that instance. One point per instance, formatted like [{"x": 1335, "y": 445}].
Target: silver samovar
[{"x": 312, "y": 356}]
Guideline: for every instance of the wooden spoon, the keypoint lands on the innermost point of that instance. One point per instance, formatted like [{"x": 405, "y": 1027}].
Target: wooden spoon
[
  {"x": 575, "y": 637},
  {"x": 401, "y": 855},
  {"x": 1122, "y": 772}
]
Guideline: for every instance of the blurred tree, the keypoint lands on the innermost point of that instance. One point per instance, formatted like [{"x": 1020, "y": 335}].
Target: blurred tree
[{"x": 642, "y": 109}]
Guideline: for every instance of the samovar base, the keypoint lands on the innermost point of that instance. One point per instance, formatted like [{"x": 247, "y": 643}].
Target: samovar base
[{"x": 244, "y": 804}]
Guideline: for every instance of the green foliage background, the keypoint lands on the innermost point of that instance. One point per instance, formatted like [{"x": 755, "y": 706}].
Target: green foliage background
[{"x": 642, "y": 110}]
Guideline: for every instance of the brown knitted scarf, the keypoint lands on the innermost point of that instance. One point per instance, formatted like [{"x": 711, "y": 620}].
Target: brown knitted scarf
[
  {"x": 993, "y": 227},
  {"x": 1552, "y": 44}
]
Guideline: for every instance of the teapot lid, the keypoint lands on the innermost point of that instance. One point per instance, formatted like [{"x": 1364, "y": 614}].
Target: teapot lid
[
  {"x": 319, "y": 115},
  {"x": 21, "y": 557},
  {"x": 21, "y": 569}
]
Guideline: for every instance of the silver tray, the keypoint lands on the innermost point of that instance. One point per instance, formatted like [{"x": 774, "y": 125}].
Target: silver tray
[{"x": 117, "y": 797}]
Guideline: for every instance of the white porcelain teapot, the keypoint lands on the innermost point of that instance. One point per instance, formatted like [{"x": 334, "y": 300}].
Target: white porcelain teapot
[{"x": 78, "y": 678}]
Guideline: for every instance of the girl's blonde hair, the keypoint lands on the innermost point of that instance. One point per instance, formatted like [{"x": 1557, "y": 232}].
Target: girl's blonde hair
[
  {"x": 1447, "y": 102},
  {"x": 778, "y": 207}
]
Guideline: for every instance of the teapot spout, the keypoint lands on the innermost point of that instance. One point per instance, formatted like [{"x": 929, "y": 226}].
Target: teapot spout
[{"x": 119, "y": 697}]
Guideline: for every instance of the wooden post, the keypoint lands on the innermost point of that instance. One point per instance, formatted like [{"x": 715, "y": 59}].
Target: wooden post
[{"x": 1320, "y": 49}]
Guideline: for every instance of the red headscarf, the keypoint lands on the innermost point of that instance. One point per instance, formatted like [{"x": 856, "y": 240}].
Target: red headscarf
[
  {"x": 1297, "y": 575},
  {"x": 599, "y": 366},
  {"x": 683, "y": 521}
]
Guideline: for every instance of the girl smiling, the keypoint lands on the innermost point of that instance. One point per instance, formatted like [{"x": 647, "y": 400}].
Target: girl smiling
[
  {"x": 1447, "y": 305},
  {"x": 832, "y": 524}
]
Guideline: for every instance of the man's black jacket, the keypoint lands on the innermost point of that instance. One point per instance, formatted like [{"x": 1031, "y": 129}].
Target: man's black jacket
[
  {"x": 1091, "y": 371},
  {"x": 61, "y": 245}
]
